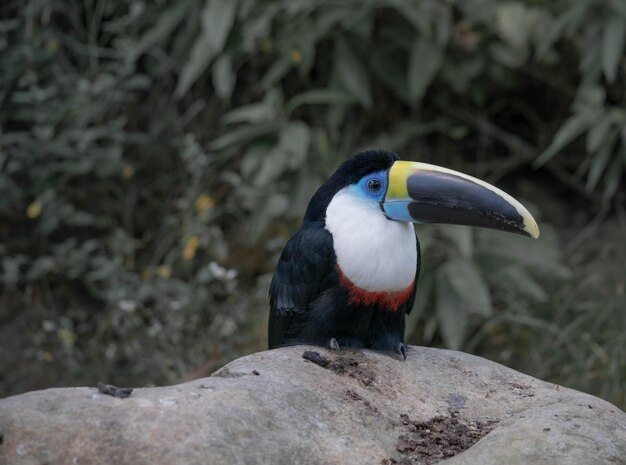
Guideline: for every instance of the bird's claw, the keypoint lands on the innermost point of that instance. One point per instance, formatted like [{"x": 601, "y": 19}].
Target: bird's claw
[
  {"x": 401, "y": 350},
  {"x": 334, "y": 345}
]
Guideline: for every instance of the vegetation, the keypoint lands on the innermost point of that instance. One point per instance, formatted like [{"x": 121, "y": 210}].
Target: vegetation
[{"x": 155, "y": 156}]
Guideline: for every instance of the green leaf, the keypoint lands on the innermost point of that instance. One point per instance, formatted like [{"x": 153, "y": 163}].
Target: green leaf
[
  {"x": 614, "y": 175},
  {"x": 444, "y": 24},
  {"x": 461, "y": 237},
  {"x": 424, "y": 62},
  {"x": 430, "y": 328},
  {"x": 294, "y": 140},
  {"x": 426, "y": 235},
  {"x": 512, "y": 24},
  {"x": 243, "y": 135},
  {"x": 422, "y": 299},
  {"x": 223, "y": 77},
  {"x": 218, "y": 17},
  {"x": 519, "y": 280},
  {"x": 390, "y": 73},
  {"x": 420, "y": 18},
  {"x": 276, "y": 72},
  {"x": 330, "y": 17},
  {"x": 165, "y": 25},
  {"x": 253, "y": 113},
  {"x": 600, "y": 160},
  {"x": 217, "y": 20},
  {"x": 327, "y": 96},
  {"x": 590, "y": 97},
  {"x": 271, "y": 168},
  {"x": 352, "y": 74},
  {"x": 276, "y": 204},
  {"x": 11, "y": 269},
  {"x": 404, "y": 132},
  {"x": 41, "y": 267},
  {"x": 268, "y": 110},
  {"x": 598, "y": 132},
  {"x": 360, "y": 23},
  {"x": 540, "y": 258},
  {"x": 570, "y": 130},
  {"x": 570, "y": 19},
  {"x": 466, "y": 281},
  {"x": 199, "y": 59},
  {"x": 620, "y": 8},
  {"x": 252, "y": 160},
  {"x": 452, "y": 317},
  {"x": 613, "y": 46}
]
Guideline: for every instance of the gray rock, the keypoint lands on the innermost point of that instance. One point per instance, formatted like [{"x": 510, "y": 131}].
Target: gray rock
[{"x": 361, "y": 408}]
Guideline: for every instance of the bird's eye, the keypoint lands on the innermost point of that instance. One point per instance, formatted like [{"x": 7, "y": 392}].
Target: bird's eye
[{"x": 374, "y": 185}]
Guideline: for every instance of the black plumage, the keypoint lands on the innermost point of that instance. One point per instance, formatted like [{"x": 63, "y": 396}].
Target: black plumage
[{"x": 308, "y": 302}]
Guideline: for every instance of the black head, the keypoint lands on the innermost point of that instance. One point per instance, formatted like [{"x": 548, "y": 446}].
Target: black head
[{"x": 350, "y": 172}]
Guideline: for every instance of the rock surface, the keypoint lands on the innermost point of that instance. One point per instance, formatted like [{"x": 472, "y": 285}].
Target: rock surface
[{"x": 357, "y": 408}]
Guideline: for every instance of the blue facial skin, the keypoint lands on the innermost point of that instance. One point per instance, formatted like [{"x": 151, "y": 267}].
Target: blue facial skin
[
  {"x": 373, "y": 186},
  {"x": 367, "y": 188}
]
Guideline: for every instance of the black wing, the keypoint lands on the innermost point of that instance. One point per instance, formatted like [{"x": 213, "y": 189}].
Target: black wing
[
  {"x": 306, "y": 268},
  {"x": 411, "y": 301}
]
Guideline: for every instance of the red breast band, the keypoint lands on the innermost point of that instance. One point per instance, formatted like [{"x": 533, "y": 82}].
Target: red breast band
[{"x": 389, "y": 301}]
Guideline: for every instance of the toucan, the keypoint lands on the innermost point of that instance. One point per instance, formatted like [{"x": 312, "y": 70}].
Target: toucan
[{"x": 348, "y": 276}]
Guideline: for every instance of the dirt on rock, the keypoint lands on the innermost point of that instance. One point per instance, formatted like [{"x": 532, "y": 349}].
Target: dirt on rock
[
  {"x": 343, "y": 364},
  {"x": 110, "y": 390},
  {"x": 426, "y": 443},
  {"x": 355, "y": 396}
]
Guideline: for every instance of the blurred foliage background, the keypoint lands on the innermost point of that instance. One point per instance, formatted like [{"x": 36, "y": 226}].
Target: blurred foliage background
[{"x": 155, "y": 156}]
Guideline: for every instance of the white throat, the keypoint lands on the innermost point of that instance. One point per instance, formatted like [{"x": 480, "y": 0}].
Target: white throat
[{"x": 375, "y": 253}]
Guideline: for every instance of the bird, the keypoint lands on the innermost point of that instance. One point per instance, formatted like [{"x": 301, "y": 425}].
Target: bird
[{"x": 348, "y": 276}]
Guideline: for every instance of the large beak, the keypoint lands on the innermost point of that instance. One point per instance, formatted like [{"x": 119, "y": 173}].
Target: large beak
[{"x": 423, "y": 193}]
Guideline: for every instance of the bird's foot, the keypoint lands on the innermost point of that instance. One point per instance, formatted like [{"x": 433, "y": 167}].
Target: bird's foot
[
  {"x": 401, "y": 350},
  {"x": 334, "y": 345}
]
